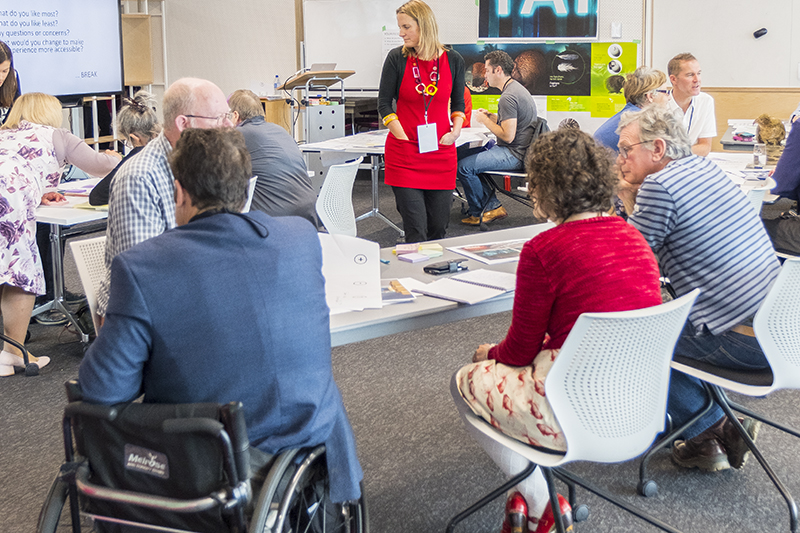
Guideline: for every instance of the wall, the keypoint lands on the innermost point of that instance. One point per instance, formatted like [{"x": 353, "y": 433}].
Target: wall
[{"x": 236, "y": 43}]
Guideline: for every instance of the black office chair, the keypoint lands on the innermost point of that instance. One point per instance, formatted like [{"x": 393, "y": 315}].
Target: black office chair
[{"x": 185, "y": 467}]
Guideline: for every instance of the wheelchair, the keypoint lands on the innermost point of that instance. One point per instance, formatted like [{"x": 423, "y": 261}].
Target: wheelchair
[{"x": 135, "y": 467}]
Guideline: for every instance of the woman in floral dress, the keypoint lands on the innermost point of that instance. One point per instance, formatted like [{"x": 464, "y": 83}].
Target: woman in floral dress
[{"x": 32, "y": 151}]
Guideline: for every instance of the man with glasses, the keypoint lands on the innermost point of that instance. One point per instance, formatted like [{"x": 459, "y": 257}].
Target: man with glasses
[
  {"x": 697, "y": 108},
  {"x": 142, "y": 201},
  {"x": 705, "y": 235}
]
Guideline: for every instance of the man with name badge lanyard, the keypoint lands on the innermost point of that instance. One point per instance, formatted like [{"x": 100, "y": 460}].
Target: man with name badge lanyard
[
  {"x": 422, "y": 77},
  {"x": 697, "y": 107},
  {"x": 513, "y": 125}
]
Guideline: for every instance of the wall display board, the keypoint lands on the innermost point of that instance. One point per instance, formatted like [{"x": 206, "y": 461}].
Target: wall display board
[
  {"x": 537, "y": 19},
  {"x": 355, "y": 33},
  {"x": 576, "y": 77},
  {"x": 67, "y": 48}
]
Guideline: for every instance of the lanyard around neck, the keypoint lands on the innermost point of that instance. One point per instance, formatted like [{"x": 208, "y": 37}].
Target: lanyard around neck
[{"x": 427, "y": 91}]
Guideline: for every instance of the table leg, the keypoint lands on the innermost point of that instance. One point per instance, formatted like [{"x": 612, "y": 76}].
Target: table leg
[
  {"x": 374, "y": 212},
  {"x": 58, "y": 284}
]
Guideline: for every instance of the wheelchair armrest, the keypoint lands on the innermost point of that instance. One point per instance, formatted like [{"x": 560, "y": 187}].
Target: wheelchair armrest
[
  {"x": 94, "y": 410},
  {"x": 74, "y": 392},
  {"x": 232, "y": 415}
]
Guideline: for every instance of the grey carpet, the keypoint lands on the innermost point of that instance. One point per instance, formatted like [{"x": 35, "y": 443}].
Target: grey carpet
[{"x": 420, "y": 466}]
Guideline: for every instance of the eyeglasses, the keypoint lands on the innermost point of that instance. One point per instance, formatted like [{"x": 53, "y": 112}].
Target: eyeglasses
[
  {"x": 625, "y": 150},
  {"x": 664, "y": 91},
  {"x": 219, "y": 118}
]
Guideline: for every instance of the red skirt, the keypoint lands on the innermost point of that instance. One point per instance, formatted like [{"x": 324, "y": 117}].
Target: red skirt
[{"x": 406, "y": 167}]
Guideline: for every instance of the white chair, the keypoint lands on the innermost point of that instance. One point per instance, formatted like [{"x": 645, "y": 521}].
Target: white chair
[
  {"x": 251, "y": 189},
  {"x": 335, "y": 201},
  {"x": 777, "y": 328},
  {"x": 89, "y": 257},
  {"x": 608, "y": 390},
  {"x": 756, "y": 194}
]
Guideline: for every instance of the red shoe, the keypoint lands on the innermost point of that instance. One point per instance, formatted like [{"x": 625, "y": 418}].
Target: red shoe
[
  {"x": 516, "y": 520},
  {"x": 547, "y": 523}
]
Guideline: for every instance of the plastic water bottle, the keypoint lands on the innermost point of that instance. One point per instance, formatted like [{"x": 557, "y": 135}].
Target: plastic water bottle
[{"x": 275, "y": 85}]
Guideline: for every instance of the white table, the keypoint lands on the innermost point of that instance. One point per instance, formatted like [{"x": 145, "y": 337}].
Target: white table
[
  {"x": 59, "y": 217},
  {"x": 427, "y": 311},
  {"x": 372, "y": 144}
]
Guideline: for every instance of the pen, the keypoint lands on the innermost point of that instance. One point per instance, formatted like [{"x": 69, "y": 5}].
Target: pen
[{"x": 385, "y": 261}]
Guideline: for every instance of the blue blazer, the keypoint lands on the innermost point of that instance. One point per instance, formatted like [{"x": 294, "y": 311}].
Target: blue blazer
[{"x": 229, "y": 307}]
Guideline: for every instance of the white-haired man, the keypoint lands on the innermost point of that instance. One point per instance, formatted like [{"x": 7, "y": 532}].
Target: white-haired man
[{"x": 705, "y": 235}]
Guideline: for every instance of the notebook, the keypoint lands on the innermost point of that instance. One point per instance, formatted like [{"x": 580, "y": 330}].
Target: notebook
[{"x": 471, "y": 287}]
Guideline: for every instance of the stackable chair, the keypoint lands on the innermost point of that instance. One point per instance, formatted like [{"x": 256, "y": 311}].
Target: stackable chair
[
  {"x": 608, "y": 390},
  {"x": 90, "y": 260},
  {"x": 180, "y": 468},
  {"x": 777, "y": 328},
  {"x": 251, "y": 189},
  {"x": 756, "y": 195},
  {"x": 335, "y": 200}
]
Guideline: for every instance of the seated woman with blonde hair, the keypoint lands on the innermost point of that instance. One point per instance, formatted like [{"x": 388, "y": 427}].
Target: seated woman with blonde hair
[
  {"x": 33, "y": 148},
  {"x": 590, "y": 262}
]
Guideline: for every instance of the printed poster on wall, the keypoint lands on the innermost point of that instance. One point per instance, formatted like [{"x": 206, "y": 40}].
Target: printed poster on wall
[
  {"x": 575, "y": 76},
  {"x": 537, "y": 19}
]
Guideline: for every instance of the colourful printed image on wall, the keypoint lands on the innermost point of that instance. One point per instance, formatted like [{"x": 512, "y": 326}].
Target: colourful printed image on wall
[
  {"x": 544, "y": 69},
  {"x": 611, "y": 62},
  {"x": 537, "y": 19}
]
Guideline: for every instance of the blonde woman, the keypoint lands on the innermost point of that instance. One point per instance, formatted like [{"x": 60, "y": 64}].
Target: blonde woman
[
  {"x": 33, "y": 148},
  {"x": 643, "y": 87},
  {"x": 422, "y": 77}
]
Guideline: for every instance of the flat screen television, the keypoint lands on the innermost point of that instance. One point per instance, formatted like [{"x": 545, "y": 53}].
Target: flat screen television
[{"x": 67, "y": 48}]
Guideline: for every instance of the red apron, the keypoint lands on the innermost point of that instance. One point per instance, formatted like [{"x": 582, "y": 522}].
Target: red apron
[{"x": 405, "y": 166}]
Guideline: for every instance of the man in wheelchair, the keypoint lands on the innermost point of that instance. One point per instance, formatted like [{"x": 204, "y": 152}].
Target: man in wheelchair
[{"x": 228, "y": 306}]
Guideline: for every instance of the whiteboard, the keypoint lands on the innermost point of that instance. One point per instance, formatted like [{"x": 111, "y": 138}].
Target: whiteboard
[
  {"x": 720, "y": 34},
  {"x": 350, "y": 32}
]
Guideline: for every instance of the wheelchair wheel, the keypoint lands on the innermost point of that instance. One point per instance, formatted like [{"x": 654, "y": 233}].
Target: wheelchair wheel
[
  {"x": 55, "y": 514},
  {"x": 302, "y": 505}
]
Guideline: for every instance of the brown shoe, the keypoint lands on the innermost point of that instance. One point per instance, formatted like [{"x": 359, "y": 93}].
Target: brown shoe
[
  {"x": 705, "y": 452},
  {"x": 488, "y": 216},
  {"x": 738, "y": 451}
]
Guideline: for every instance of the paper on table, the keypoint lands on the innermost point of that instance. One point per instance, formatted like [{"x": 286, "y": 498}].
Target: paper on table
[
  {"x": 457, "y": 291},
  {"x": 351, "y": 267}
]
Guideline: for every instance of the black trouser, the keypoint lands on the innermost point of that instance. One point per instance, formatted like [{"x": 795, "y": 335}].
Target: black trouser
[
  {"x": 425, "y": 213},
  {"x": 784, "y": 232}
]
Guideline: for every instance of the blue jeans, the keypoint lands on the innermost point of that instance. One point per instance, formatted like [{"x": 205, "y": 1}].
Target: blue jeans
[
  {"x": 497, "y": 158},
  {"x": 687, "y": 395}
]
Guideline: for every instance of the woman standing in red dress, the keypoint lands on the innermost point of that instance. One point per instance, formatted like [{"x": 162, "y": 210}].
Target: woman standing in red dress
[{"x": 427, "y": 81}]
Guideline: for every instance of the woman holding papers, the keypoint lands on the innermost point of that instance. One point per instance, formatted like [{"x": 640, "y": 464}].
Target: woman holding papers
[
  {"x": 590, "y": 262},
  {"x": 34, "y": 149},
  {"x": 423, "y": 77}
]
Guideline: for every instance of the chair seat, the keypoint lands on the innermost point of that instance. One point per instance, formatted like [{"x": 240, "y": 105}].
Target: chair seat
[{"x": 752, "y": 378}]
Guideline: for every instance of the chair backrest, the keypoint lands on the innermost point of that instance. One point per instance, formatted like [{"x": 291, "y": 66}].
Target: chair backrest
[
  {"x": 162, "y": 451},
  {"x": 777, "y": 326},
  {"x": 89, "y": 257},
  {"x": 251, "y": 188},
  {"x": 608, "y": 385},
  {"x": 756, "y": 197},
  {"x": 335, "y": 201}
]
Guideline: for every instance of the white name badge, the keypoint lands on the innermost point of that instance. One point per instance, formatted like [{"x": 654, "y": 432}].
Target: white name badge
[{"x": 427, "y": 138}]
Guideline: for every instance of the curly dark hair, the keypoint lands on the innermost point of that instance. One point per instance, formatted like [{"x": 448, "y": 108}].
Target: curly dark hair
[{"x": 569, "y": 173}]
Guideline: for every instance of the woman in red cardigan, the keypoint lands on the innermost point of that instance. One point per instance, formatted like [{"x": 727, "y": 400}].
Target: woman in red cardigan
[{"x": 590, "y": 262}]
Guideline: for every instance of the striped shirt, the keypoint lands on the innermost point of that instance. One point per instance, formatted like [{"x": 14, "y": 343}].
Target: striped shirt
[
  {"x": 141, "y": 205},
  {"x": 706, "y": 235}
]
